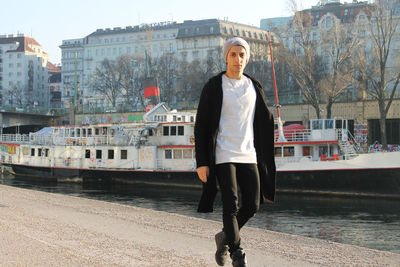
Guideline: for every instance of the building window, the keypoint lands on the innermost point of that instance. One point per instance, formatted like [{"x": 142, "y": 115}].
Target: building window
[
  {"x": 98, "y": 154},
  {"x": 111, "y": 154},
  {"x": 212, "y": 29},
  {"x": 87, "y": 154},
  {"x": 124, "y": 154}
]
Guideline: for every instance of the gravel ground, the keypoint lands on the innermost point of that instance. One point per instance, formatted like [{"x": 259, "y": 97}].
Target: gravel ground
[{"x": 45, "y": 229}]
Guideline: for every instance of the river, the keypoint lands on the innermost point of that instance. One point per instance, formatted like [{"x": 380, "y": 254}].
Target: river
[{"x": 372, "y": 223}]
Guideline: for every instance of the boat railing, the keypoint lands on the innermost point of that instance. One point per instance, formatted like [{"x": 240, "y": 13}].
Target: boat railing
[
  {"x": 14, "y": 138},
  {"x": 300, "y": 135},
  {"x": 74, "y": 141},
  {"x": 292, "y": 159}
]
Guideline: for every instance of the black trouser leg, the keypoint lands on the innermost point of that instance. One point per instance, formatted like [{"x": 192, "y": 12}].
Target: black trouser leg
[{"x": 230, "y": 177}]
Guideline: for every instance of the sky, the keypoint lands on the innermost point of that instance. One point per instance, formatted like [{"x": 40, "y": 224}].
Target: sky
[{"x": 51, "y": 21}]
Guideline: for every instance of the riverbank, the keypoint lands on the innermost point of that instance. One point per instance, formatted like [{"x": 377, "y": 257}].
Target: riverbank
[{"x": 44, "y": 229}]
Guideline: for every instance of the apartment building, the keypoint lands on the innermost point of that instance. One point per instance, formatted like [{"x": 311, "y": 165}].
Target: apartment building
[
  {"x": 23, "y": 72},
  {"x": 186, "y": 41}
]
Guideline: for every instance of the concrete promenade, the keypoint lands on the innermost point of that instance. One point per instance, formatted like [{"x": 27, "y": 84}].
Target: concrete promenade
[{"x": 45, "y": 229}]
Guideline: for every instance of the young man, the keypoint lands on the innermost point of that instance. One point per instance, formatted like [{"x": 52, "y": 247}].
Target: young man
[{"x": 234, "y": 135}]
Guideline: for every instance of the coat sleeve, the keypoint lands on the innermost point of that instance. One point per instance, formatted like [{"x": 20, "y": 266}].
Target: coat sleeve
[{"x": 201, "y": 129}]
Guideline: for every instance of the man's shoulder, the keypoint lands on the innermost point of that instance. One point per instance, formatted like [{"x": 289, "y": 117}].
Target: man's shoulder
[
  {"x": 254, "y": 80},
  {"x": 214, "y": 82}
]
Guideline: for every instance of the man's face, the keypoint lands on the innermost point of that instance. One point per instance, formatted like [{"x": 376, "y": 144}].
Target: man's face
[{"x": 236, "y": 60}]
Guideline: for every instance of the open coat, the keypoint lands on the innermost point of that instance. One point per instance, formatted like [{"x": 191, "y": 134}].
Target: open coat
[{"x": 206, "y": 131}]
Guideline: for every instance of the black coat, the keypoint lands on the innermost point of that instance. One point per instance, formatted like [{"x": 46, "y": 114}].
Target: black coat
[{"x": 206, "y": 130}]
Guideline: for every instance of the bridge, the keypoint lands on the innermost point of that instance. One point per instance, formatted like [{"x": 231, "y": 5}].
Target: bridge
[{"x": 22, "y": 122}]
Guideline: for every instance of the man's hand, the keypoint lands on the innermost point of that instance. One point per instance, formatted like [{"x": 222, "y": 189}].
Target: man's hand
[{"x": 203, "y": 172}]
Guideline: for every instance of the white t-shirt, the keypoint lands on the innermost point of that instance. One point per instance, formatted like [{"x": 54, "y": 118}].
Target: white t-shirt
[{"x": 235, "y": 140}]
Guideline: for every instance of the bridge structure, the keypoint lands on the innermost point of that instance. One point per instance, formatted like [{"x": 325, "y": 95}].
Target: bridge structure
[{"x": 22, "y": 122}]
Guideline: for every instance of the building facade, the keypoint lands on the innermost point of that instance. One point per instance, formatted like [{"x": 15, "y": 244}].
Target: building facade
[
  {"x": 23, "y": 73},
  {"x": 185, "y": 42},
  {"x": 54, "y": 86}
]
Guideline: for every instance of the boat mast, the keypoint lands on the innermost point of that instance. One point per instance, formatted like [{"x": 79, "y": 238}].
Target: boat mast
[{"x": 281, "y": 137}]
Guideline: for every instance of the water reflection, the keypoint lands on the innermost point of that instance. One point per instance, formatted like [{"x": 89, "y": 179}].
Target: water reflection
[{"x": 369, "y": 223}]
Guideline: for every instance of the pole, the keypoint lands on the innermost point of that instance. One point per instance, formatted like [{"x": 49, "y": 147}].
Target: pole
[
  {"x": 76, "y": 79},
  {"x": 281, "y": 137}
]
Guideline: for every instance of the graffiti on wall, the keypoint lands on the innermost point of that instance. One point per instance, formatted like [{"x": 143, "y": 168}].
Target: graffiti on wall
[
  {"x": 111, "y": 118},
  {"x": 360, "y": 133}
]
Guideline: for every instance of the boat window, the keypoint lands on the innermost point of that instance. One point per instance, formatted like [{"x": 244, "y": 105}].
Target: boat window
[
  {"x": 104, "y": 130},
  {"x": 78, "y": 132},
  {"x": 191, "y": 118},
  {"x": 328, "y": 124},
  {"x": 278, "y": 151},
  {"x": 187, "y": 153},
  {"x": 151, "y": 132},
  {"x": 173, "y": 130},
  {"x": 89, "y": 132},
  {"x": 66, "y": 132},
  {"x": 112, "y": 132},
  {"x": 83, "y": 132},
  {"x": 87, "y": 154},
  {"x": 111, "y": 154},
  {"x": 317, "y": 124},
  {"x": 32, "y": 152},
  {"x": 39, "y": 152},
  {"x": 177, "y": 153},
  {"x": 174, "y": 118},
  {"x": 96, "y": 131},
  {"x": 180, "y": 130},
  {"x": 288, "y": 151},
  {"x": 72, "y": 132},
  {"x": 46, "y": 152},
  {"x": 168, "y": 154},
  {"x": 165, "y": 130},
  {"x": 323, "y": 150},
  {"x": 124, "y": 154},
  {"x": 98, "y": 154},
  {"x": 306, "y": 151}
]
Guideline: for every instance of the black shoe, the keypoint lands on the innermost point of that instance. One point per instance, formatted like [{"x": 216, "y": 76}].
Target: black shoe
[
  {"x": 222, "y": 249},
  {"x": 239, "y": 258}
]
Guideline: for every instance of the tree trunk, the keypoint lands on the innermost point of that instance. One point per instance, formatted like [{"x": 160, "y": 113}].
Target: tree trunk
[
  {"x": 382, "y": 123},
  {"x": 329, "y": 108}
]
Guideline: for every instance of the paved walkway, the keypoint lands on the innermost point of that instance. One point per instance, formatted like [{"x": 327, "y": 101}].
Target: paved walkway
[{"x": 44, "y": 229}]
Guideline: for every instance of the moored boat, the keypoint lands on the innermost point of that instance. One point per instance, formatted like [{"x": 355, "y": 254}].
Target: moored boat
[{"x": 321, "y": 160}]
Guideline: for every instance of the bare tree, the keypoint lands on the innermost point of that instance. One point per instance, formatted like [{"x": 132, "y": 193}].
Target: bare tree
[
  {"x": 303, "y": 58},
  {"x": 17, "y": 96},
  {"x": 133, "y": 70},
  {"x": 379, "y": 64},
  {"x": 165, "y": 68},
  {"x": 107, "y": 80},
  {"x": 339, "y": 43}
]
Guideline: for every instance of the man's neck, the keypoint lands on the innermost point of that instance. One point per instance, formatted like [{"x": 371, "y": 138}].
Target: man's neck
[{"x": 234, "y": 75}]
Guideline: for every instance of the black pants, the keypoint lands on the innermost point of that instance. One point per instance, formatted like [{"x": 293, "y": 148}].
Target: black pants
[{"x": 230, "y": 176}]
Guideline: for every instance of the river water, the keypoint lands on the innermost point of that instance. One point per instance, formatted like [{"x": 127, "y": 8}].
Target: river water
[{"x": 372, "y": 223}]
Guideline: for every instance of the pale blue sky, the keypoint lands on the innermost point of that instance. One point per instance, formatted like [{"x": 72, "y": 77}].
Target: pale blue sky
[{"x": 51, "y": 21}]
